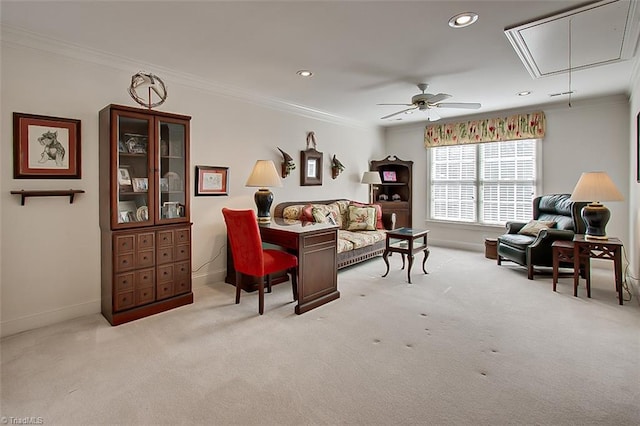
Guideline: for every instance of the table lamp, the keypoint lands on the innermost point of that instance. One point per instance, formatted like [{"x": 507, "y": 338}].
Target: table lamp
[
  {"x": 371, "y": 178},
  {"x": 263, "y": 176},
  {"x": 595, "y": 187}
]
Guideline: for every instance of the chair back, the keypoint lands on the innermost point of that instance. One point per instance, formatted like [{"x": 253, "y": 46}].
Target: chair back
[
  {"x": 245, "y": 241},
  {"x": 560, "y": 209}
]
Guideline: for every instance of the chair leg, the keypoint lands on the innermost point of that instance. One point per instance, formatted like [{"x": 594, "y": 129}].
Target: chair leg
[
  {"x": 499, "y": 260},
  {"x": 268, "y": 283},
  {"x": 261, "y": 296},
  {"x": 294, "y": 282},
  {"x": 238, "y": 286},
  {"x": 530, "y": 271}
]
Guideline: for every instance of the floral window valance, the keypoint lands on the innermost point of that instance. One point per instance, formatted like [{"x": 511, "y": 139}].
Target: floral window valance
[{"x": 514, "y": 127}]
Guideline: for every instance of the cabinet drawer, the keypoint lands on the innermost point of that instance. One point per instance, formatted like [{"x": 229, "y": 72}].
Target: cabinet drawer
[
  {"x": 183, "y": 236},
  {"x": 145, "y": 278},
  {"x": 124, "y": 282},
  {"x": 183, "y": 252},
  {"x": 182, "y": 285},
  {"x": 165, "y": 255},
  {"x": 125, "y": 262},
  {"x": 165, "y": 273},
  {"x": 145, "y": 295},
  {"x": 145, "y": 258},
  {"x": 165, "y": 238},
  {"x": 146, "y": 240},
  {"x": 182, "y": 269},
  {"x": 123, "y": 243},
  {"x": 124, "y": 301},
  {"x": 164, "y": 290}
]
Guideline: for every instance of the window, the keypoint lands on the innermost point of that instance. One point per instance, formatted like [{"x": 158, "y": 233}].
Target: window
[{"x": 487, "y": 183}]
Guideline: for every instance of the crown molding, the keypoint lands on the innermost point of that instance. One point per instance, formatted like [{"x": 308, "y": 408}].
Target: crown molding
[{"x": 16, "y": 37}]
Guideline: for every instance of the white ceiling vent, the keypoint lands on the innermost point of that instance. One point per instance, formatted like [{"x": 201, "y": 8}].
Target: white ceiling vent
[{"x": 596, "y": 34}]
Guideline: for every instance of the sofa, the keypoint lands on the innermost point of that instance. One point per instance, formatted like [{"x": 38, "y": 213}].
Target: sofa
[{"x": 358, "y": 240}]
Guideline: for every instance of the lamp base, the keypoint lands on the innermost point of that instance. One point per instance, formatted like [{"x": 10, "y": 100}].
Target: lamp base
[
  {"x": 263, "y": 198},
  {"x": 595, "y": 216}
]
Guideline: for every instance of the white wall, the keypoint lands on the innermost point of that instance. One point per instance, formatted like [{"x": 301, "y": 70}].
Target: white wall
[
  {"x": 634, "y": 185},
  {"x": 590, "y": 135},
  {"x": 50, "y": 264}
]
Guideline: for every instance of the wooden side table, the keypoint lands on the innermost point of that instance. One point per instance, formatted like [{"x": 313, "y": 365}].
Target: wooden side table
[
  {"x": 408, "y": 244},
  {"x": 563, "y": 251},
  {"x": 587, "y": 249}
]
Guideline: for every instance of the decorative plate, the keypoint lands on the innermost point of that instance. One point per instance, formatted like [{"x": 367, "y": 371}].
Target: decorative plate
[{"x": 142, "y": 214}]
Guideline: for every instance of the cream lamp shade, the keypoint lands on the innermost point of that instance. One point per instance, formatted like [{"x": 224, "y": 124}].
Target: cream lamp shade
[
  {"x": 264, "y": 175},
  {"x": 595, "y": 187},
  {"x": 371, "y": 178}
]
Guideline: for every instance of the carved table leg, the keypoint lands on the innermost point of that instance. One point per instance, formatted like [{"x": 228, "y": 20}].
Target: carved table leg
[{"x": 386, "y": 261}]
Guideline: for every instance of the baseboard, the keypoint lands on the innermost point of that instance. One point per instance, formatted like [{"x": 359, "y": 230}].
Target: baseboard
[
  {"x": 201, "y": 280},
  {"x": 30, "y": 322}
]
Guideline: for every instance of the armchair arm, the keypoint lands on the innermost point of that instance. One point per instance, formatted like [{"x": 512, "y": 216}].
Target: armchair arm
[
  {"x": 547, "y": 236},
  {"x": 389, "y": 221},
  {"x": 514, "y": 227}
]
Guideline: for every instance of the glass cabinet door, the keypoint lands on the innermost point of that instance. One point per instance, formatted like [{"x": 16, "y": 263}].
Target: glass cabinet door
[
  {"x": 134, "y": 179},
  {"x": 171, "y": 168}
]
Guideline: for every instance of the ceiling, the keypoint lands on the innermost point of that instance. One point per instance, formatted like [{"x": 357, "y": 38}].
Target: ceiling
[{"x": 361, "y": 53}]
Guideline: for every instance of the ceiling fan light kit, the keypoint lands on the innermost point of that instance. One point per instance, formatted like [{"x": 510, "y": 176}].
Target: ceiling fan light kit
[{"x": 427, "y": 101}]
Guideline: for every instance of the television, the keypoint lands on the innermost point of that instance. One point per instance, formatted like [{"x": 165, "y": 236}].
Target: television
[{"x": 389, "y": 176}]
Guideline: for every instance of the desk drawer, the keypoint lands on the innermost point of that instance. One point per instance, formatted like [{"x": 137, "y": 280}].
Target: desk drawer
[{"x": 319, "y": 239}]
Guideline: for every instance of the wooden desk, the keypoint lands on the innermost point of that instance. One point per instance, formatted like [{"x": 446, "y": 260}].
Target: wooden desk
[
  {"x": 408, "y": 244},
  {"x": 586, "y": 249},
  {"x": 315, "y": 245}
]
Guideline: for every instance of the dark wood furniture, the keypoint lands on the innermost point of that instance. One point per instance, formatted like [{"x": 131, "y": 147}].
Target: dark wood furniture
[
  {"x": 587, "y": 249},
  {"x": 406, "y": 242},
  {"x": 563, "y": 253},
  {"x": 144, "y": 212},
  {"x": 396, "y": 176},
  {"x": 315, "y": 245},
  {"x": 71, "y": 193}
]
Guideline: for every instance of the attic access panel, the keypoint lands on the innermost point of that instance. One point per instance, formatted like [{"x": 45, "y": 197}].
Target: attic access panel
[{"x": 601, "y": 33}]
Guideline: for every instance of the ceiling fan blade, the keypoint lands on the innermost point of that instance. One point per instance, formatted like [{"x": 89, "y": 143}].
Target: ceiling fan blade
[
  {"x": 397, "y": 104},
  {"x": 464, "y": 105},
  {"x": 396, "y": 113},
  {"x": 437, "y": 98}
]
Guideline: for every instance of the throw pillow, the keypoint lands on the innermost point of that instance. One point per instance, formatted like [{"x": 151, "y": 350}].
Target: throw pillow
[
  {"x": 322, "y": 215},
  {"x": 378, "y": 207},
  {"x": 362, "y": 218},
  {"x": 533, "y": 227},
  {"x": 306, "y": 215}
]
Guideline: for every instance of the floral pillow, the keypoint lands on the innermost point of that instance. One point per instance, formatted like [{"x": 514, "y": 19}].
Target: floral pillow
[
  {"x": 323, "y": 216},
  {"x": 378, "y": 207},
  {"x": 292, "y": 212},
  {"x": 362, "y": 218},
  {"x": 535, "y": 226}
]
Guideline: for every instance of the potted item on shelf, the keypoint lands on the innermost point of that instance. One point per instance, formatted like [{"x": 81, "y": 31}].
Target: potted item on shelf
[{"x": 395, "y": 197}]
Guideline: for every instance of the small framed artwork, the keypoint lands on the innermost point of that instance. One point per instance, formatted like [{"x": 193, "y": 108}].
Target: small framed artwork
[
  {"x": 212, "y": 180},
  {"x": 140, "y": 184},
  {"x": 45, "y": 147},
  {"x": 311, "y": 161},
  {"x": 389, "y": 176}
]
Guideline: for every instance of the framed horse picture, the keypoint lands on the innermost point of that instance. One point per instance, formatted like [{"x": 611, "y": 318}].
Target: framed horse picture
[{"x": 45, "y": 147}]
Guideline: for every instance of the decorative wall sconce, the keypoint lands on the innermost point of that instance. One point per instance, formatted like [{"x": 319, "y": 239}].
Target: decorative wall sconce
[
  {"x": 287, "y": 164},
  {"x": 336, "y": 167}
]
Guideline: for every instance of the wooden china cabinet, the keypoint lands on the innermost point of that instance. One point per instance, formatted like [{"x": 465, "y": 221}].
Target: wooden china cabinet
[
  {"x": 394, "y": 194},
  {"x": 144, "y": 212}
]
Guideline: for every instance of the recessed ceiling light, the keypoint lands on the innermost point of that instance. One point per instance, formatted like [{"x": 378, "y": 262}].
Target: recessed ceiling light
[
  {"x": 462, "y": 20},
  {"x": 524, "y": 93},
  {"x": 304, "y": 73}
]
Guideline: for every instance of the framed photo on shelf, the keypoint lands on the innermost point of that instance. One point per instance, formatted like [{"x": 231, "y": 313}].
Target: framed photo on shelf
[
  {"x": 140, "y": 184},
  {"x": 311, "y": 161},
  {"x": 45, "y": 147},
  {"x": 164, "y": 185},
  {"x": 389, "y": 176},
  {"x": 212, "y": 180},
  {"x": 124, "y": 177}
]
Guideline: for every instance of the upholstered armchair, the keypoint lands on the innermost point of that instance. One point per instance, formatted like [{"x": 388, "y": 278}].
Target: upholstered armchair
[{"x": 555, "y": 217}]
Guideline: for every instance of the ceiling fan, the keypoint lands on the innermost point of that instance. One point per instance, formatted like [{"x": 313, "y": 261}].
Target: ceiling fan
[{"x": 426, "y": 101}]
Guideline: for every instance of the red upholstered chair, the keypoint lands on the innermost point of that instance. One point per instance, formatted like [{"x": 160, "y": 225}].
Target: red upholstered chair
[{"x": 250, "y": 258}]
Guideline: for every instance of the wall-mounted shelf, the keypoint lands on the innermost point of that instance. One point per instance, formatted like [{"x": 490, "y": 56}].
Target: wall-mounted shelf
[{"x": 48, "y": 193}]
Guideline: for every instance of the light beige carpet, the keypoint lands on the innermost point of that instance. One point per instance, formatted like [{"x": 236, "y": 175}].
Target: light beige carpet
[{"x": 470, "y": 343}]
